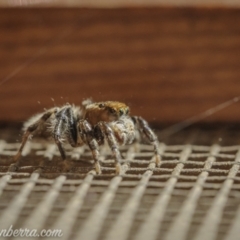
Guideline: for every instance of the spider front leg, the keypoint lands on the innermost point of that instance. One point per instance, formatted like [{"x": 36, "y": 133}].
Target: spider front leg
[
  {"x": 108, "y": 133},
  {"x": 144, "y": 128},
  {"x": 87, "y": 134}
]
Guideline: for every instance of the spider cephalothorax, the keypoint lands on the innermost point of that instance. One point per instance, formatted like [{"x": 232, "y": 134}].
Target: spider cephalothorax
[
  {"x": 105, "y": 111},
  {"x": 90, "y": 124}
]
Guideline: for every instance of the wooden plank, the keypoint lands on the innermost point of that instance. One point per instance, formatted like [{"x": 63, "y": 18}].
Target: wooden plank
[
  {"x": 118, "y": 3},
  {"x": 168, "y": 64}
]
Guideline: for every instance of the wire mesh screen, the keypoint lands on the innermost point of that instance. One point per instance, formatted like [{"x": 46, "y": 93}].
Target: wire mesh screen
[{"x": 194, "y": 194}]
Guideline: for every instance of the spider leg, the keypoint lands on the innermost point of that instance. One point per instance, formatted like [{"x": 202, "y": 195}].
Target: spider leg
[
  {"x": 144, "y": 128},
  {"x": 108, "y": 132},
  {"x": 59, "y": 129},
  {"x": 57, "y": 138},
  {"x": 65, "y": 126},
  {"x": 30, "y": 130},
  {"x": 88, "y": 135}
]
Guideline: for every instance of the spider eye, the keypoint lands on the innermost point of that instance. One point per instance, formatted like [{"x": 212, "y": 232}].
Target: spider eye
[
  {"x": 112, "y": 110},
  {"x": 121, "y": 112},
  {"x": 101, "y": 105}
]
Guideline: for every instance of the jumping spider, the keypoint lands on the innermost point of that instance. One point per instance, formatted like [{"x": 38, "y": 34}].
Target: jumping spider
[{"x": 90, "y": 124}]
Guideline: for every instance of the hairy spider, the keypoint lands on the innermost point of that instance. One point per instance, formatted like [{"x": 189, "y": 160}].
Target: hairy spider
[{"x": 90, "y": 124}]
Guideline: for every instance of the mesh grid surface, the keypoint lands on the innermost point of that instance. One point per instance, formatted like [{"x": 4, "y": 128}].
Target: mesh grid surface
[{"x": 193, "y": 195}]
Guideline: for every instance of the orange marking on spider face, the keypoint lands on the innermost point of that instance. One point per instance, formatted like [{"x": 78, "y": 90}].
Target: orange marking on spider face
[{"x": 105, "y": 111}]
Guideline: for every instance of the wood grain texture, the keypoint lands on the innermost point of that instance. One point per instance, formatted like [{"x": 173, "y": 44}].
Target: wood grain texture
[
  {"x": 118, "y": 3},
  {"x": 168, "y": 64}
]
